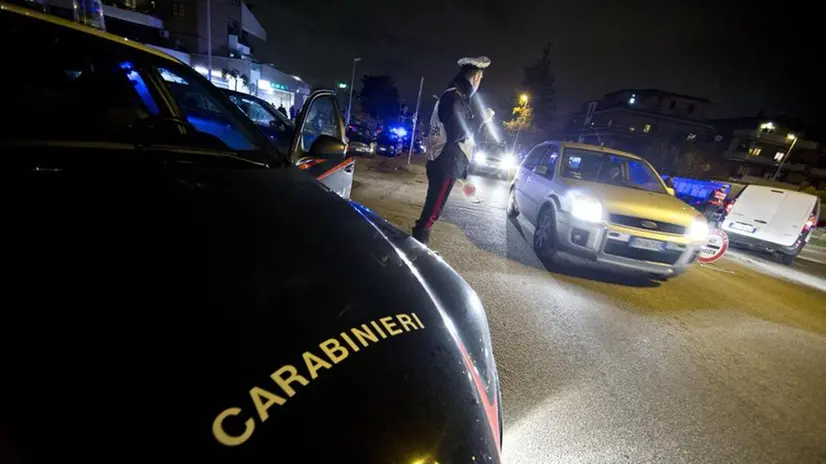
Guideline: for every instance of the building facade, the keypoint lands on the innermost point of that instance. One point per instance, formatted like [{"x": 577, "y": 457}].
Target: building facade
[
  {"x": 183, "y": 29},
  {"x": 755, "y": 147},
  {"x": 647, "y": 122}
]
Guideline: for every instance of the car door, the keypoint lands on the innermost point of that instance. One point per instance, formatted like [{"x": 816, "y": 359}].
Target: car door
[
  {"x": 524, "y": 184},
  {"x": 318, "y": 143},
  {"x": 544, "y": 178}
]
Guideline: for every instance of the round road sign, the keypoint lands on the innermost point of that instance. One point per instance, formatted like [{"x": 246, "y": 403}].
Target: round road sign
[{"x": 715, "y": 247}]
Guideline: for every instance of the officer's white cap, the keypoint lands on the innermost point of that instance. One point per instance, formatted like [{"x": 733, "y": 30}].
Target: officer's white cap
[{"x": 480, "y": 62}]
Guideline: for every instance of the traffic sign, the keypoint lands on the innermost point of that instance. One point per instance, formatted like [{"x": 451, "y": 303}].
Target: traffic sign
[{"x": 715, "y": 247}]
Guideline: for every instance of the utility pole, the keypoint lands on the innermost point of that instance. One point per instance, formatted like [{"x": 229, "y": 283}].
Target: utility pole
[
  {"x": 793, "y": 138},
  {"x": 415, "y": 119},
  {"x": 352, "y": 78},
  {"x": 209, "y": 40}
]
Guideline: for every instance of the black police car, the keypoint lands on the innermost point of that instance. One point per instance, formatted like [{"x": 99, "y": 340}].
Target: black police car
[
  {"x": 331, "y": 171},
  {"x": 176, "y": 290}
]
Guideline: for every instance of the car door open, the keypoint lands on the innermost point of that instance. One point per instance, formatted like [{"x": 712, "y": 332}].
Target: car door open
[{"x": 318, "y": 143}]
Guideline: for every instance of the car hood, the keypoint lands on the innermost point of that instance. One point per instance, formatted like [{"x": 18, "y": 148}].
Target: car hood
[
  {"x": 638, "y": 203},
  {"x": 233, "y": 314}
]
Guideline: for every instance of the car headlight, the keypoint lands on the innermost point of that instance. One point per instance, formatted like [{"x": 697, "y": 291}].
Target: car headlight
[
  {"x": 480, "y": 157},
  {"x": 586, "y": 208},
  {"x": 507, "y": 162},
  {"x": 698, "y": 230}
]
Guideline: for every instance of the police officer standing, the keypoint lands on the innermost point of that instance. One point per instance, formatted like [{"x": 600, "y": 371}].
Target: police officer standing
[{"x": 450, "y": 141}]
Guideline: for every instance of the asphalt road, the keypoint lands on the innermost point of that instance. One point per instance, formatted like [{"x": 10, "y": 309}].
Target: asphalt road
[{"x": 724, "y": 364}]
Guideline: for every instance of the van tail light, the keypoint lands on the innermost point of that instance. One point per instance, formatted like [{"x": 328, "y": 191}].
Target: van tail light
[{"x": 809, "y": 224}]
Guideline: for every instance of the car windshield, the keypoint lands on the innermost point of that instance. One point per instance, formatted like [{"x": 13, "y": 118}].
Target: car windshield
[{"x": 609, "y": 168}]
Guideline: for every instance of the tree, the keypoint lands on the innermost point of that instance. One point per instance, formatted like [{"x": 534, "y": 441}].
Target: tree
[
  {"x": 540, "y": 85},
  {"x": 522, "y": 120},
  {"x": 379, "y": 97}
]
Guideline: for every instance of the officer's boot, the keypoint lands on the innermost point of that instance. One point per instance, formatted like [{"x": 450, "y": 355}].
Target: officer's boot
[{"x": 421, "y": 234}]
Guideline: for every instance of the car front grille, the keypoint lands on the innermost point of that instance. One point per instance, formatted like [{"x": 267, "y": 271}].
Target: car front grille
[
  {"x": 617, "y": 248},
  {"x": 637, "y": 223}
]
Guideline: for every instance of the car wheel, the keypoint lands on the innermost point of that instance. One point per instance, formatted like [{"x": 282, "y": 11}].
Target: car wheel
[
  {"x": 544, "y": 236},
  {"x": 513, "y": 209}
]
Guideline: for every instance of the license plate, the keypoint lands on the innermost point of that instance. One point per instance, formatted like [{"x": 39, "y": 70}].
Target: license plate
[
  {"x": 646, "y": 244},
  {"x": 744, "y": 227}
]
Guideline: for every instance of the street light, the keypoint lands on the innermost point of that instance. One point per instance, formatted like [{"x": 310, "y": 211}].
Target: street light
[
  {"x": 342, "y": 85},
  {"x": 524, "y": 100},
  {"x": 789, "y": 138},
  {"x": 352, "y": 78}
]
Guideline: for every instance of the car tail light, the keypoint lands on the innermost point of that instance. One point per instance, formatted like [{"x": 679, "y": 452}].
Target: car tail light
[{"x": 809, "y": 224}]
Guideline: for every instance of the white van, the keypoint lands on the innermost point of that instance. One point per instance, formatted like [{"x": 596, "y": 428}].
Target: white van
[{"x": 772, "y": 219}]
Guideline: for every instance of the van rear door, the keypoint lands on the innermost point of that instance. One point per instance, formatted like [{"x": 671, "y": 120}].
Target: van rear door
[{"x": 770, "y": 214}]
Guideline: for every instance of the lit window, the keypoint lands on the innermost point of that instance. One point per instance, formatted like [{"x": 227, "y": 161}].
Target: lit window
[
  {"x": 632, "y": 128},
  {"x": 691, "y": 136},
  {"x": 646, "y": 128},
  {"x": 779, "y": 156},
  {"x": 633, "y": 99},
  {"x": 755, "y": 151},
  {"x": 767, "y": 126}
]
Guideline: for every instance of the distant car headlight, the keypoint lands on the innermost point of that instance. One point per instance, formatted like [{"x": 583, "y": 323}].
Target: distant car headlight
[
  {"x": 480, "y": 157},
  {"x": 698, "y": 230},
  {"x": 507, "y": 162},
  {"x": 586, "y": 208}
]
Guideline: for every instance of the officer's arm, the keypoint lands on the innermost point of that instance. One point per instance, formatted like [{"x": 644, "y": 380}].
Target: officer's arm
[{"x": 450, "y": 115}]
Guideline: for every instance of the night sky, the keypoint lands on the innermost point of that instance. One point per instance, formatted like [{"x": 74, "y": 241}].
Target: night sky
[{"x": 742, "y": 57}]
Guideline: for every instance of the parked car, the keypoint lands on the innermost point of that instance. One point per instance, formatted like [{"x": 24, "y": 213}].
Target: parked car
[
  {"x": 193, "y": 296},
  {"x": 771, "y": 219},
  {"x": 605, "y": 205},
  {"x": 361, "y": 140},
  {"x": 388, "y": 144},
  {"x": 333, "y": 172}
]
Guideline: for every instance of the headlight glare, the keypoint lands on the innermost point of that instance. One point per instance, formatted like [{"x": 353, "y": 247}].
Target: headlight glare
[
  {"x": 508, "y": 161},
  {"x": 480, "y": 157},
  {"x": 586, "y": 208},
  {"x": 698, "y": 230}
]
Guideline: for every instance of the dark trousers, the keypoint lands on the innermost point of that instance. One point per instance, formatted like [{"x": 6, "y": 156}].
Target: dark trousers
[{"x": 439, "y": 185}]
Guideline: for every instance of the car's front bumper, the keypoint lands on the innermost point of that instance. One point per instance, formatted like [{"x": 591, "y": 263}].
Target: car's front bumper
[{"x": 609, "y": 244}]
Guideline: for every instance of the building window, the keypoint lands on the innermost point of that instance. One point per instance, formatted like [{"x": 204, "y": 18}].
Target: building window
[
  {"x": 767, "y": 127},
  {"x": 646, "y": 128},
  {"x": 633, "y": 99},
  {"x": 632, "y": 128},
  {"x": 755, "y": 151},
  {"x": 691, "y": 108},
  {"x": 779, "y": 156},
  {"x": 178, "y": 10},
  {"x": 673, "y": 104},
  {"x": 691, "y": 136}
]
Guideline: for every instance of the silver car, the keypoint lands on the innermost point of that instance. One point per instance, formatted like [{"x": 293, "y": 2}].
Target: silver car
[{"x": 605, "y": 205}]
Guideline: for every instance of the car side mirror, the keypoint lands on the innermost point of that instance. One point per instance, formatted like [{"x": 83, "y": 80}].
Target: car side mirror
[
  {"x": 671, "y": 191},
  {"x": 327, "y": 146}
]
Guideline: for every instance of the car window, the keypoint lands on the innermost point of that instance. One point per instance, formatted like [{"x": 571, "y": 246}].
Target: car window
[
  {"x": 261, "y": 114},
  {"x": 607, "y": 168},
  {"x": 547, "y": 163},
  {"x": 204, "y": 111},
  {"x": 79, "y": 88},
  {"x": 321, "y": 119},
  {"x": 533, "y": 157}
]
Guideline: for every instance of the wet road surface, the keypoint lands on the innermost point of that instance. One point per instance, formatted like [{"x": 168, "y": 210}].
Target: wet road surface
[{"x": 726, "y": 363}]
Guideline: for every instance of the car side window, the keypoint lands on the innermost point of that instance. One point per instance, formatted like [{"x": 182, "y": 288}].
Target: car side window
[
  {"x": 322, "y": 119},
  {"x": 76, "y": 87},
  {"x": 204, "y": 111},
  {"x": 258, "y": 113},
  {"x": 547, "y": 164},
  {"x": 534, "y": 156}
]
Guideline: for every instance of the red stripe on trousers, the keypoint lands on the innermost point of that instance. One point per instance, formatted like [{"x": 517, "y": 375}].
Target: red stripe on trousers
[{"x": 438, "y": 206}]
